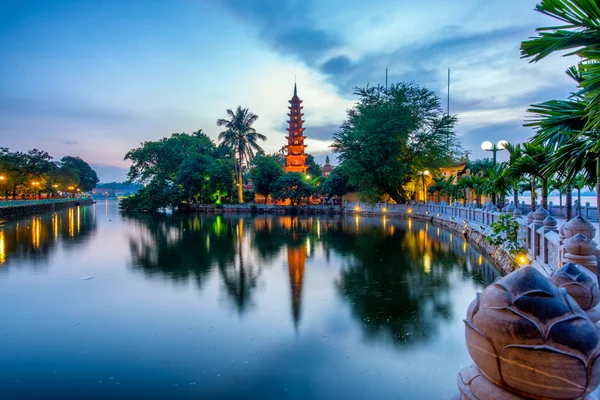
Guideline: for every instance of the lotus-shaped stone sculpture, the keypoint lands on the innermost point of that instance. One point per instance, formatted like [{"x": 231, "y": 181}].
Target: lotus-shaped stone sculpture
[
  {"x": 530, "y": 337},
  {"x": 580, "y": 287}
]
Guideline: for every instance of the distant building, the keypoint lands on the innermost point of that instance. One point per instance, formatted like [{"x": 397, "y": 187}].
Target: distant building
[
  {"x": 295, "y": 160},
  {"x": 327, "y": 168}
]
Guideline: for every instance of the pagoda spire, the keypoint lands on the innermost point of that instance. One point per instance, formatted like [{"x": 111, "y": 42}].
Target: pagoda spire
[{"x": 295, "y": 159}]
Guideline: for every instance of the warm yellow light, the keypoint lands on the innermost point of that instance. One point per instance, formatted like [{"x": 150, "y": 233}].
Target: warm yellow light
[
  {"x": 410, "y": 210},
  {"x": 522, "y": 259},
  {"x": 2, "y": 177},
  {"x": 426, "y": 172},
  {"x": 55, "y": 186},
  {"x": 384, "y": 209},
  {"x": 356, "y": 208},
  {"x": 426, "y": 263},
  {"x": 71, "y": 188}
]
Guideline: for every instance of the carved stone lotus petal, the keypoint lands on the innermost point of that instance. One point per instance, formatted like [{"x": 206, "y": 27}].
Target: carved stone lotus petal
[
  {"x": 579, "y": 225},
  {"x": 580, "y": 245},
  {"x": 578, "y": 284},
  {"x": 529, "y": 336}
]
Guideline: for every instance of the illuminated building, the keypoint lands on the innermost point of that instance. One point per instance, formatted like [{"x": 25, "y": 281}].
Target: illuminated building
[{"x": 295, "y": 160}]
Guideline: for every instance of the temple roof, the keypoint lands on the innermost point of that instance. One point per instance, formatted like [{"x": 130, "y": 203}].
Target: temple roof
[{"x": 295, "y": 90}]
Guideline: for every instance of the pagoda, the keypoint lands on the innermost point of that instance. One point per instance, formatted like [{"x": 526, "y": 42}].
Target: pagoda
[{"x": 295, "y": 160}]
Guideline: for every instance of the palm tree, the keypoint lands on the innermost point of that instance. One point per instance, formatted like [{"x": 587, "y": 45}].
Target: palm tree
[
  {"x": 578, "y": 118},
  {"x": 241, "y": 140},
  {"x": 557, "y": 183},
  {"x": 531, "y": 163},
  {"x": 514, "y": 152}
]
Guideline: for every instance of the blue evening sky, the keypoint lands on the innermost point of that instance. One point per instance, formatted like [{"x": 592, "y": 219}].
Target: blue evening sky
[{"x": 96, "y": 78}]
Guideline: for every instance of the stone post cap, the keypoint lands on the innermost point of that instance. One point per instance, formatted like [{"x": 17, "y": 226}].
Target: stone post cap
[
  {"x": 579, "y": 245},
  {"x": 540, "y": 214},
  {"x": 579, "y": 225},
  {"x": 550, "y": 222},
  {"x": 517, "y": 212},
  {"x": 530, "y": 217},
  {"x": 510, "y": 208},
  {"x": 578, "y": 284}
]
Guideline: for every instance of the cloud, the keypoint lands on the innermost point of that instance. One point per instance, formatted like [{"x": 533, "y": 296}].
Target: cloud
[
  {"x": 287, "y": 26},
  {"x": 69, "y": 142}
]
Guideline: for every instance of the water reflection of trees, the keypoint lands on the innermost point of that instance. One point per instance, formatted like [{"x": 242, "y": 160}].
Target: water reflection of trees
[
  {"x": 397, "y": 277},
  {"x": 34, "y": 239}
]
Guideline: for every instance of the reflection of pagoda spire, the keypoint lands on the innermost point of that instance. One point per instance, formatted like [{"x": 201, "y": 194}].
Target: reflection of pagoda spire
[{"x": 296, "y": 261}]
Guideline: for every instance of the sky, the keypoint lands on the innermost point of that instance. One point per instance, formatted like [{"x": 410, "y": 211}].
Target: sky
[{"x": 96, "y": 78}]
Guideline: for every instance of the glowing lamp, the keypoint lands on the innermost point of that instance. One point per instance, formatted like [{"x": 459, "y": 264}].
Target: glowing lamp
[
  {"x": 522, "y": 259},
  {"x": 410, "y": 210},
  {"x": 501, "y": 144},
  {"x": 384, "y": 209},
  {"x": 487, "y": 145},
  {"x": 357, "y": 208}
]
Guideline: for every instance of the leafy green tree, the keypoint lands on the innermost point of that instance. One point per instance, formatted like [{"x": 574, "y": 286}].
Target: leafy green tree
[
  {"x": 266, "y": 171},
  {"x": 478, "y": 166},
  {"x": 161, "y": 159},
  {"x": 152, "y": 197},
  {"x": 314, "y": 170},
  {"x": 336, "y": 185},
  {"x": 291, "y": 186},
  {"x": 87, "y": 176},
  {"x": 391, "y": 132},
  {"x": 241, "y": 139},
  {"x": 221, "y": 179},
  {"x": 193, "y": 177}
]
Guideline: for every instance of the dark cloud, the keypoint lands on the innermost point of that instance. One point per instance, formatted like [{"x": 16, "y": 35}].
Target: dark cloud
[
  {"x": 321, "y": 132},
  {"x": 70, "y": 142},
  {"x": 336, "y": 65},
  {"x": 286, "y": 25}
]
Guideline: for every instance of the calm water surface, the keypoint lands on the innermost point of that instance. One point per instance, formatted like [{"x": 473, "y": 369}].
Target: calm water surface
[{"x": 97, "y": 305}]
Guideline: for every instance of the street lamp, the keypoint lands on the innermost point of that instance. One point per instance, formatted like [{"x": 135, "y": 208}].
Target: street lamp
[
  {"x": 423, "y": 174},
  {"x": 494, "y": 148}
]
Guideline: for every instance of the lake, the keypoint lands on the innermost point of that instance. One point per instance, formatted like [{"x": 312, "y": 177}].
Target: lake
[{"x": 98, "y": 305}]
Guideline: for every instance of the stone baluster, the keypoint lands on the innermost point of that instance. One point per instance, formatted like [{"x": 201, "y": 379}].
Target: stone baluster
[
  {"x": 539, "y": 216},
  {"x": 580, "y": 250}
]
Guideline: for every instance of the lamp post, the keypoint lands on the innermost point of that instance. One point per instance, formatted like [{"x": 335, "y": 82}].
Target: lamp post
[
  {"x": 494, "y": 148},
  {"x": 423, "y": 174}
]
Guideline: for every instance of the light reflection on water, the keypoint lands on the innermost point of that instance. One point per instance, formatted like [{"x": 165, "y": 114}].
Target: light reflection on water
[{"x": 232, "y": 307}]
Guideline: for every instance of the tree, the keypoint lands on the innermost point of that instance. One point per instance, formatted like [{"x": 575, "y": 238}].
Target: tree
[
  {"x": 193, "y": 177},
  {"x": 221, "y": 179},
  {"x": 531, "y": 162},
  {"x": 573, "y": 122},
  {"x": 87, "y": 176},
  {"x": 478, "y": 166},
  {"x": 266, "y": 171},
  {"x": 314, "y": 170},
  {"x": 241, "y": 140},
  {"x": 391, "y": 132},
  {"x": 291, "y": 186},
  {"x": 336, "y": 184}
]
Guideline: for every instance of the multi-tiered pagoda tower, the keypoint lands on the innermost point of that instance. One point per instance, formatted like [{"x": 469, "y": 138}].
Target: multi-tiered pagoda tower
[{"x": 295, "y": 160}]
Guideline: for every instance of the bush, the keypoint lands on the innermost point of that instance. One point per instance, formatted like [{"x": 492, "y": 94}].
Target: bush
[{"x": 505, "y": 233}]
